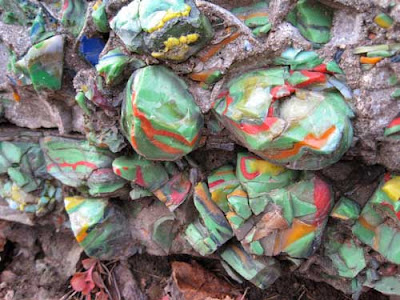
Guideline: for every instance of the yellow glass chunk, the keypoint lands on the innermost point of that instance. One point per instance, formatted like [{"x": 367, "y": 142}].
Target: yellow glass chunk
[
  {"x": 392, "y": 188},
  {"x": 71, "y": 202},
  {"x": 169, "y": 15},
  {"x": 265, "y": 167},
  {"x": 383, "y": 20},
  {"x": 177, "y": 46}
]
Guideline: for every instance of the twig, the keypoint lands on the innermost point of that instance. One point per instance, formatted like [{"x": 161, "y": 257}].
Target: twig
[
  {"x": 227, "y": 16},
  {"x": 272, "y": 297},
  {"x": 116, "y": 288},
  {"x": 301, "y": 295},
  {"x": 155, "y": 276},
  {"x": 312, "y": 298},
  {"x": 304, "y": 289},
  {"x": 245, "y": 293},
  {"x": 68, "y": 295}
]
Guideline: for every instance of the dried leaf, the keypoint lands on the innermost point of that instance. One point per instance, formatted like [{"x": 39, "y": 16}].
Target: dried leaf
[
  {"x": 83, "y": 282},
  {"x": 195, "y": 283},
  {"x": 100, "y": 268},
  {"x": 98, "y": 281},
  {"x": 89, "y": 281},
  {"x": 78, "y": 282},
  {"x": 101, "y": 295},
  {"x": 271, "y": 221},
  {"x": 89, "y": 262}
]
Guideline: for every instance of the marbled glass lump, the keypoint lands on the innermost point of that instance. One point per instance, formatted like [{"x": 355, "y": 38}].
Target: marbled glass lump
[
  {"x": 159, "y": 115},
  {"x": 164, "y": 180},
  {"x": 78, "y": 164},
  {"x": 168, "y": 30},
  {"x": 99, "y": 227},
  {"x": 281, "y": 116}
]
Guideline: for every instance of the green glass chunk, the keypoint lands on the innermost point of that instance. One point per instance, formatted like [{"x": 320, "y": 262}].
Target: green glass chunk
[
  {"x": 234, "y": 220},
  {"x": 308, "y": 128},
  {"x": 393, "y": 80},
  {"x": 388, "y": 285},
  {"x": 78, "y": 164},
  {"x": 258, "y": 204},
  {"x": 168, "y": 30},
  {"x": 258, "y": 176},
  {"x": 199, "y": 238},
  {"x": 302, "y": 247},
  {"x": 126, "y": 25},
  {"x": 11, "y": 153},
  {"x": 313, "y": 19},
  {"x": 262, "y": 30},
  {"x": 44, "y": 63},
  {"x": 74, "y": 15},
  {"x": 145, "y": 173},
  {"x": 159, "y": 116},
  {"x": 298, "y": 59},
  {"x": 21, "y": 180},
  {"x": 297, "y": 78},
  {"x": 163, "y": 232},
  {"x": 99, "y": 16},
  {"x": 257, "y": 248},
  {"x": 38, "y": 28},
  {"x": 346, "y": 209},
  {"x": 384, "y": 47},
  {"x": 262, "y": 272},
  {"x": 101, "y": 182},
  {"x": 216, "y": 230},
  {"x": 214, "y": 77},
  {"x": 375, "y": 225},
  {"x": 81, "y": 100},
  {"x": 99, "y": 227},
  {"x": 333, "y": 67},
  {"x": 138, "y": 192},
  {"x": 222, "y": 182},
  {"x": 111, "y": 66},
  {"x": 383, "y": 20},
  {"x": 239, "y": 203},
  {"x": 255, "y": 16},
  {"x": 396, "y": 93},
  {"x": 170, "y": 187},
  {"x": 347, "y": 257},
  {"x": 379, "y": 53}
]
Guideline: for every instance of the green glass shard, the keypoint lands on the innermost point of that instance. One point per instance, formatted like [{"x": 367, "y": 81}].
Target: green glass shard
[
  {"x": 346, "y": 209},
  {"x": 313, "y": 19}
]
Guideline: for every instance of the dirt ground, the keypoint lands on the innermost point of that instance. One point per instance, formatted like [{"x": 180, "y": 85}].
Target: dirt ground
[
  {"x": 152, "y": 273},
  {"x": 32, "y": 269}
]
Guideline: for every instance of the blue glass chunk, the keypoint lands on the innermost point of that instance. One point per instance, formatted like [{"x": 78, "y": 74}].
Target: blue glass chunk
[{"x": 90, "y": 48}]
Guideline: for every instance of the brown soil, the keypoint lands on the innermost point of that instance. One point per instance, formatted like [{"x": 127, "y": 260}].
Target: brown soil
[{"x": 34, "y": 266}]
